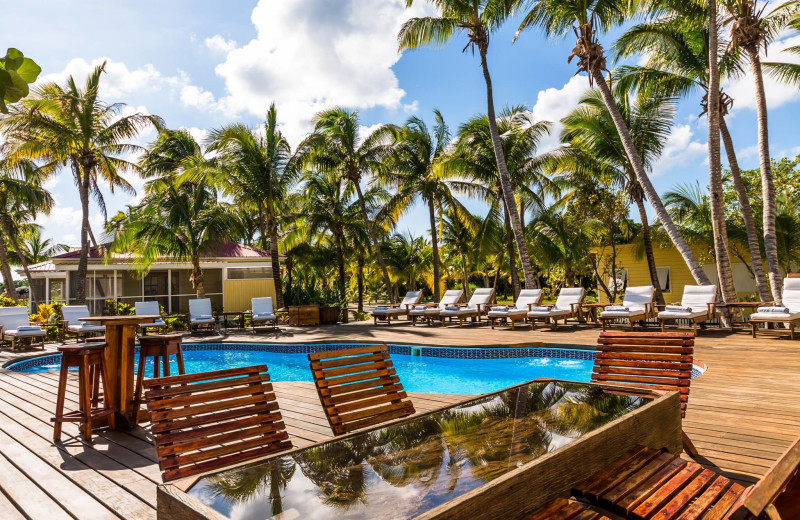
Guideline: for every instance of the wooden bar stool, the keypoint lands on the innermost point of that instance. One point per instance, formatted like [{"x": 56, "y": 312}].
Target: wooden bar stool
[
  {"x": 90, "y": 360},
  {"x": 159, "y": 347}
]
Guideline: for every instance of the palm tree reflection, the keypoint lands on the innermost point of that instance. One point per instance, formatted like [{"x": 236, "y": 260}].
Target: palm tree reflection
[{"x": 269, "y": 478}]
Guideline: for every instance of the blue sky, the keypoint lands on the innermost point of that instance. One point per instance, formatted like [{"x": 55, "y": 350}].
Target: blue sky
[{"x": 200, "y": 64}]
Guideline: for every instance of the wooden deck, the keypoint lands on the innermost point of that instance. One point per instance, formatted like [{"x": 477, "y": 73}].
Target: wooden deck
[{"x": 743, "y": 412}]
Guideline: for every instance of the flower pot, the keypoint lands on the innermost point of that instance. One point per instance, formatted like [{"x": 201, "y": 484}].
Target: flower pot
[{"x": 329, "y": 315}]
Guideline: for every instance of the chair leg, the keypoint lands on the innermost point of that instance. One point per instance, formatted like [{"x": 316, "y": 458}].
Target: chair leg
[
  {"x": 84, "y": 395},
  {"x": 60, "y": 397},
  {"x": 754, "y": 326},
  {"x": 688, "y": 445},
  {"x": 791, "y": 331},
  {"x": 165, "y": 362},
  {"x": 179, "y": 358},
  {"x": 137, "y": 391},
  {"x": 662, "y": 325},
  {"x": 112, "y": 418}
]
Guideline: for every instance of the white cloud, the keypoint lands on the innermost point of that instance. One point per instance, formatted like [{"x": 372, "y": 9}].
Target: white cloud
[
  {"x": 411, "y": 108},
  {"x": 219, "y": 44},
  {"x": 118, "y": 81},
  {"x": 313, "y": 54},
  {"x": 680, "y": 150},
  {"x": 742, "y": 90},
  {"x": 553, "y": 104}
]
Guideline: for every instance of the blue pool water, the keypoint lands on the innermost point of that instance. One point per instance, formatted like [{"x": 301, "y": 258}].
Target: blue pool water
[{"x": 447, "y": 375}]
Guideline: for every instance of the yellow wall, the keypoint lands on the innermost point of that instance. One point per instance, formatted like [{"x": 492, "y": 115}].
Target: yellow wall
[
  {"x": 639, "y": 274},
  {"x": 239, "y": 292}
]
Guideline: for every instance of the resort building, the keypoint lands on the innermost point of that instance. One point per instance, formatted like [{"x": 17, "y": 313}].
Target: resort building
[
  {"x": 673, "y": 274},
  {"x": 233, "y": 274}
]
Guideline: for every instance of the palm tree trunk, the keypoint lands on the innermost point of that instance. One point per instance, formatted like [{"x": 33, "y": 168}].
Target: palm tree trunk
[
  {"x": 756, "y": 262},
  {"x": 720, "y": 228},
  {"x": 340, "y": 258},
  {"x": 648, "y": 250},
  {"x": 465, "y": 274},
  {"x": 371, "y": 230},
  {"x": 767, "y": 186},
  {"x": 275, "y": 261},
  {"x": 512, "y": 264},
  {"x": 23, "y": 262},
  {"x": 198, "y": 277},
  {"x": 5, "y": 267},
  {"x": 435, "y": 248},
  {"x": 649, "y": 191},
  {"x": 360, "y": 281},
  {"x": 505, "y": 181},
  {"x": 83, "y": 261}
]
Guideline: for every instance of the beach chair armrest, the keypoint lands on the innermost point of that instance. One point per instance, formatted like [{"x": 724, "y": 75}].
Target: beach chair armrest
[
  {"x": 576, "y": 308},
  {"x": 712, "y": 310}
]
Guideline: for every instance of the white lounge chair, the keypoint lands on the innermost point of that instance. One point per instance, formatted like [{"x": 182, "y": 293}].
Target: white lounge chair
[
  {"x": 201, "y": 315},
  {"x": 698, "y": 305},
  {"x": 387, "y": 312},
  {"x": 263, "y": 311},
  {"x": 429, "y": 312},
  {"x": 637, "y": 305},
  {"x": 519, "y": 311},
  {"x": 568, "y": 305},
  {"x": 15, "y": 324},
  {"x": 476, "y": 306},
  {"x": 787, "y": 312},
  {"x": 73, "y": 325},
  {"x": 149, "y": 309}
]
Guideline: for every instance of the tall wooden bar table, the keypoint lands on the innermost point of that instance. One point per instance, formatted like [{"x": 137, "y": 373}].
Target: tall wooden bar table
[{"x": 121, "y": 341}]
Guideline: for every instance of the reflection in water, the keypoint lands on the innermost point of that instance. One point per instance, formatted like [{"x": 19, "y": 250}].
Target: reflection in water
[{"x": 404, "y": 470}]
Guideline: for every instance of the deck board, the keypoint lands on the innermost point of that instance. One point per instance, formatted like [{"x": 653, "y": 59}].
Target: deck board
[{"x": 743, "y": 412}]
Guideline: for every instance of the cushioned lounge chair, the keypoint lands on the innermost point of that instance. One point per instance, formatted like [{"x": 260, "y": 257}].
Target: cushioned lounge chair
[
  {"x": 431, "y": 311},
  {"x": 15, "y": 325},
  {"x": 519, "y": 311},
  {"x": 698, "y": 305},
  {"x": 567, "y": 306},
  {"x": 200, "y": 315},
  {"x": 637, "y": 305},
  {"x": 150, "y": 309},
  {"x": 263, "y": 312},
  {"x": 73, "y": 326},
  {"x": 788, "y": 312},
  {"x": 475, "y": 307},
  {"x": 389, "y": 312}
]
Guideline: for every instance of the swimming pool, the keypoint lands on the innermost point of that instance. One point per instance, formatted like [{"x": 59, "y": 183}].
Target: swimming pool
[{"x": 421, "y": 369}]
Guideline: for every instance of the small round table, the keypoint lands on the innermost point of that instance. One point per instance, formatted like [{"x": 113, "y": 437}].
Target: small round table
[
  {"x": 121, "y": 341},
  {"x": 592, "y": 312}
]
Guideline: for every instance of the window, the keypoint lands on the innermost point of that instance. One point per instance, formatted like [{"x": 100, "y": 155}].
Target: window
[
  {"x": 249, "y": 273},
  {"x": 619, "y": 280},
  {"x": 56, "y": 291},
  {"x": 665, "y": 278}
]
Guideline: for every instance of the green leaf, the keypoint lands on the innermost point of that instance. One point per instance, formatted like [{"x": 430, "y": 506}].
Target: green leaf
[
  {"x": 16, "y": 89},
  {"x": 29, "y": 70}
]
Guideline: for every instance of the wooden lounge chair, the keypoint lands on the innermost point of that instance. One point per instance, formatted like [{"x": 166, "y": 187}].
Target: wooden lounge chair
[
  {"x": 476, "y": 306},
  {"x": 637, "y": 305},
  {"x": 386, "y": 312},
  {"x": 151, "y": 308},
  {"x": 519, "y": 311},
  {"x": 263, "y": 311},
  {"x": 788, "y": 312},
  {"x": 15, "y": 324},
  {"x": 568, "y": 305},
  {"x": 207, "y": 421},
  {"x": 358, "y": 387},
  {"x": 71, "y": 324},
  {"x": 651, "y": 484},
  {"x": 698, "y": 305},
  {"x": 201, "y": 316},
  {"x": 657, "y": 360},
  {"x": 431, "y": 311}
]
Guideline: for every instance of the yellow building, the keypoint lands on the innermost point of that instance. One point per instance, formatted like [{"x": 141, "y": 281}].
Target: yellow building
[
  {"x": 673, "y": 274},
  {"x": 233, "y": 274}
]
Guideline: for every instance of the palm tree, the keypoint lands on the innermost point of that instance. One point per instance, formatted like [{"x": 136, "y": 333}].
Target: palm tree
[
  {"x": 594, "y": 149},
  {"x": 407, "y": 256},
  {"x": 37, "y": 248},
  {"x": 337, "y": 147},
  {"x": 176, "y": 219},
  {"x": 458, "y": 238},
  {"x": 66, "y": 125},
  {"x": 555, "y": 17},
  {"x": 255, "y": 174},
  {"x": 678, "y": 66},
  {"x": 474, "y": 158},
  {"x": 22, "y": 198},
  {"x": 752, "y": 31},
  {"x": 478, "y": 19},
  {"x": 414, "y": 174}
]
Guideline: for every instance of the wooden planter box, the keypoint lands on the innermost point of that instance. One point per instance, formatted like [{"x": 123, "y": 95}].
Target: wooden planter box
[
  {"x": 329, "y": 315},
  {"x": 304, "y": 315}
]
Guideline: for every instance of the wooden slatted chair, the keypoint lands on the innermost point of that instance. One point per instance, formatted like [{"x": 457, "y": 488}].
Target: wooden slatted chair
[
  {"x": 358, "y": 387},
  {"x": 658, "y": 360},
  {"x": 647, "y": 484},
  {"x": 211, "y": 420}
]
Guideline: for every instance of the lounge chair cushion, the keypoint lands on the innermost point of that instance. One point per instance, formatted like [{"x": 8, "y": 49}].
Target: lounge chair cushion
[
  {"x": 380, "y": 310},
  {"x": 458, "y": 311},
  {"x": 86, "y": 327},
  {"x": 396, "y": 311},
  {"x": 26, "y": 330},
  {"x": 617, "y": 308},
  {"x": 681, "y": 315},
  {"x": 677, "y": 308},
  {"x": 779, "y": 309},
  {"x": 202, "y": 319},
  {"x": 158, "y": 323},
  {"x": 775, "y": 316},
  {"x": 540, "y": 309},
  {"x": 549, "y": 312},
  {"x": 500, "y": 308},
  {"x": 621, "y": 314},
  {"x": 509, "y": 312},
  {"x": 264, "y": 317}
]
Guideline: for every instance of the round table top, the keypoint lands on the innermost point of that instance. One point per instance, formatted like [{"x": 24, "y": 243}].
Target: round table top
[{"x": 122, "y": 320}]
